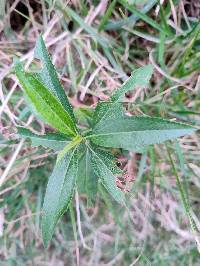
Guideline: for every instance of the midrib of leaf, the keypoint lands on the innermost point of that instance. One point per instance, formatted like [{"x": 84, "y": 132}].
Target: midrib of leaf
[
  {"x": 86, "y": 162},
  {"x": 137, "y": 132},
  {"x": 127, "y": 132},
  {"x": 105, "y": 114},
  {"x": 96, "y": 155},
  {"x": 51, "y": 140},
  {"x": 67, "y": 168},
  {"x": 86, "y": 166},
  {"x": 87, "y": 180},
  {"x": 58, "y": 117}
]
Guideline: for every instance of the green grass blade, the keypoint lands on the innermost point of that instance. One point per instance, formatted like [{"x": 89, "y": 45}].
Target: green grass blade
[
  {"x": 183, "y": 168},
  {"x": 107, "y": 15},
  {"x": 130, "y": 20},
  {"x": 142, "y": 16},
  {"x": 182, "y": 193},
  {"x": 69, "y": 12},
  {"x": 71, "y": 68}
]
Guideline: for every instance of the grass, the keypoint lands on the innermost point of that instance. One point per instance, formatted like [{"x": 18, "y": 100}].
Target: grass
[{"x": 95, "y": 47}]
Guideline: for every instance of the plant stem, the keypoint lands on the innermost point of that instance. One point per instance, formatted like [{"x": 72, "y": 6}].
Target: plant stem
[{"x": 69, "y": 146}]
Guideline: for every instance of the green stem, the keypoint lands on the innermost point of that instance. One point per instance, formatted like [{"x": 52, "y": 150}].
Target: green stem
[{"x": 69, "y": 146}]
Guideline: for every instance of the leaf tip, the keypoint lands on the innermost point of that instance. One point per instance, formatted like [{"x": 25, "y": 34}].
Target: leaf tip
[
  {"x": 40, "y": 39},
  {"x": 38, "y": 46}
]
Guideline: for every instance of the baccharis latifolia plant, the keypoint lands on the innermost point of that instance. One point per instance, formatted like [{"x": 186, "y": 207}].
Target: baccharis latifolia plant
[{"x": 84, "y": 161}]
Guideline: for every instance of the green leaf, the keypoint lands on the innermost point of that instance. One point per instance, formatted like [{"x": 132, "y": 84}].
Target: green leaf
[
  {"x": 107, "y": 110},
  {"x": 49, "y": 77},
  {"x": 59, "y": 193},
  {"x": 108, "y": 159},
  {"x": 114, "y": 109},
  {"x": 87, "y": 180},
  {"x": 105, "y": 173},
  {"x": 54, "y": 141},
  {"x": 132, "y": 133},
  {"x": 45, "y": 103},
  {"x": 139, "y": 77}
]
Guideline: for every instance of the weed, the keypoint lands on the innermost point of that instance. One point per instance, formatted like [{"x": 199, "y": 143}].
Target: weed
[{"x": 84, "y": 163}]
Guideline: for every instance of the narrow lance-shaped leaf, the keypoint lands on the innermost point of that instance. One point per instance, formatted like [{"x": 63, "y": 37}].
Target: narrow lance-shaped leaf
[
  {"x": 105, "y": 173},
  {"x": 54, "y": 141},
  {"x": 108, "y": 159},
  {"x": 133, "y": 133},
  {"x": 140, "y": 77},
  {"x": 59, "y": 192},
  {"x": 87, "y": 180},
  {"x": 45, "y": 103},
  {"x": 49, "y": 77},
  {"x": 114, "y": 109}
]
